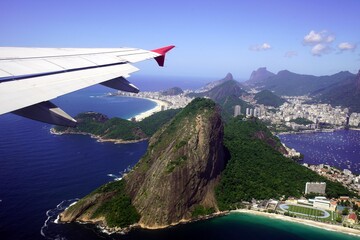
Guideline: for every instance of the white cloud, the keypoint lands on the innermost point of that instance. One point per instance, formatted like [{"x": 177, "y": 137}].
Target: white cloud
[
  {"x": 320, "y": 49},
  {"x": 321, "y": 42},
  {"x": 290, "y": 54},
  {"x": 262, "y": 47},
  {"x": 346, "y": 46},
  {"x": 318, "y": 37}
]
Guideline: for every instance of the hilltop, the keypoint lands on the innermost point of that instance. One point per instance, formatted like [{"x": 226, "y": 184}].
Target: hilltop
[
  {"x": 173, "y": 182},
  {"x": 172, "y": 91},
  {"x": 268, "y": 98},
  {"x": 211, "y": 85},
  {"x": 226, "y": 93},
  {"x": 258, "y": 76}
]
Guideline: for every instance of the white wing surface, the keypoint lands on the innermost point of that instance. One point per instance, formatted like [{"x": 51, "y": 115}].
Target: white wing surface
[{"x": 30, "y": 77}]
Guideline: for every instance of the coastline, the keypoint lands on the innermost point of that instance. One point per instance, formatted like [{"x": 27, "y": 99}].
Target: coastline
[
  {"x": 307, "y": 131},
  {"x": 323, "y": 226},
  {"x": 99, "y": 138},
  {"x": 148, "y": 113}
]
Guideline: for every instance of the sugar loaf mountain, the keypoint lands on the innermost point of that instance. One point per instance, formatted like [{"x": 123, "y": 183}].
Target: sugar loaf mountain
[{"x": 197, "y": 165}]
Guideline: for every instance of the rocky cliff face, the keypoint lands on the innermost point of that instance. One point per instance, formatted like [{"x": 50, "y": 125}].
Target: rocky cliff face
[
  {"x": 259, "y": 75},
  {"x": 180, "y": 169},
  {"x": 176, "y": 176}
]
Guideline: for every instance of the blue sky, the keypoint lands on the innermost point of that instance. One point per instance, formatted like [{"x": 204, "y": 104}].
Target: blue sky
[{"x": 212, "y": 37}]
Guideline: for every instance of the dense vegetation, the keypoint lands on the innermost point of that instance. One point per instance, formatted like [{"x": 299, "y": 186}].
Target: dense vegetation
[
  {"x": 257, "y": 170},
  {"x": 228, "y": 104},
  {"x": 118, "y": 210},
  {"x": 200, "y": 210},
  {"x": 173, "y": 127},
  {"x": 268, "y": 98},
  {"x": 117, "y": 128}
]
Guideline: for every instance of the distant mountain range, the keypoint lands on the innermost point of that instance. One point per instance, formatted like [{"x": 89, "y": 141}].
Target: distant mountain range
[
  {"x": 342, "y": 88},
  {"x": 293, "y": 84},
  {"x": 345, "y": 93}
]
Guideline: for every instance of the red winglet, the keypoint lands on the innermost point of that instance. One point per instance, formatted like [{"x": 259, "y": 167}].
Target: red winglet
[{"x": 161, "y": 59}]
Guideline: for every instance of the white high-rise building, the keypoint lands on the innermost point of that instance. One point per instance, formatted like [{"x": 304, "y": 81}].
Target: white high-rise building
[{"x": 237, "y": 110}]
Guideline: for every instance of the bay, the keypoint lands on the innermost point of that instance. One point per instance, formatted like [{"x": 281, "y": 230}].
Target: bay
[
  {"x": 41, "y": 174},
  {"x": 340, "y": 148}
]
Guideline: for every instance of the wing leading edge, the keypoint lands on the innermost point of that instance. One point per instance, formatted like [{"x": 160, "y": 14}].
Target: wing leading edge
[{"x": 30, "y": 77}]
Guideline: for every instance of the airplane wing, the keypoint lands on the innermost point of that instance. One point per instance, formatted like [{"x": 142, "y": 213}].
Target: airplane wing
[{"x": 30, "y": 77}]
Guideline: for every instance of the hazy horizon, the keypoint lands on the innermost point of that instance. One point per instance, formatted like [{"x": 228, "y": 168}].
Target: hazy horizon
[{"x": 212, "y": 39}]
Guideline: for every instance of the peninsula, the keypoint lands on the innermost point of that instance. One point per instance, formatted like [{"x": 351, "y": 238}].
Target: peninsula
[{"x": 196, "y": 165}]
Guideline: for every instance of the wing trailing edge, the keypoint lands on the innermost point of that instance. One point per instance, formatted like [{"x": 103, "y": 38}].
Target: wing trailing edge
[
  {"x": 47, "y": 112},
  {"x": 31, "y": 77}
]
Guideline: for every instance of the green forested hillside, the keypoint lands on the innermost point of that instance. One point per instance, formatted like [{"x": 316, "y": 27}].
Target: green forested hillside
[
  {"x": 117, "y": 128},
  {"x": 268, "y": 98},
  {"x": 256, "y": 170}
]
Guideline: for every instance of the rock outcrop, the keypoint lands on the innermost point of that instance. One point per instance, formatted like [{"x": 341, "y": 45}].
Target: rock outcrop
[
  {"x": 259, "y": 75},
  {"x": 176, "y": 176},
  {"x": 180, "y": 169}
]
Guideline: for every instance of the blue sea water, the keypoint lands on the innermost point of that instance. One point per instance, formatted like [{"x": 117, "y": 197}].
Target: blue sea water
[
  {"x": 340, "y": 148},
  {"x": 41, "y": 174}
]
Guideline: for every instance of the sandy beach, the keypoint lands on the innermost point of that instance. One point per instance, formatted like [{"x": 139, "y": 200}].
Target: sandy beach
[
  {"x": 150, "y": 112},
  {"x": 311, "y": 223}
]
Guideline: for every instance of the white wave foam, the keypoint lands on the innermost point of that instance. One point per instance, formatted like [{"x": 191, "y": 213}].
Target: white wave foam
[
  {"x": 57, "y": 219},
  {"x": 112, "y": 175},
  {"x": 53, "y": 217}
]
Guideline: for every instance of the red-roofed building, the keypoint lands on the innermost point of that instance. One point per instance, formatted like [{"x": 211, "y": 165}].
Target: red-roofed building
[{"x": 352, "y": 218}]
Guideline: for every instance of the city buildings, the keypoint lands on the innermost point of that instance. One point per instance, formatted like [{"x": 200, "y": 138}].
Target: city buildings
[{"x": 237, "y": 110}]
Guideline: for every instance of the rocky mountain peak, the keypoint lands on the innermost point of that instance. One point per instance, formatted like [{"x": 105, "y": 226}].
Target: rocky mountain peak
[
  {"x": 181, "y": 167},
  {"x": 228, "y": 77},
  {"x": 259, "y": 75},
  {"x": 211, "y": 85}
]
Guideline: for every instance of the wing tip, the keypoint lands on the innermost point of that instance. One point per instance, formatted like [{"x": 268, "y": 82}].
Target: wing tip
[{"x": 162, "y": 51}]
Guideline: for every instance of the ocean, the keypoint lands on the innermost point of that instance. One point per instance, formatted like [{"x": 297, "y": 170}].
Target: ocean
[{"x": 41, "y": 174}]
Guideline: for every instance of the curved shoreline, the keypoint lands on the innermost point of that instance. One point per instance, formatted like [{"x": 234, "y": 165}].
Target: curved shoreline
[
  {"x": 148, "y": 113},
  {"x": 99, "y": 138},
  {"x": 323, "y": 226}
]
